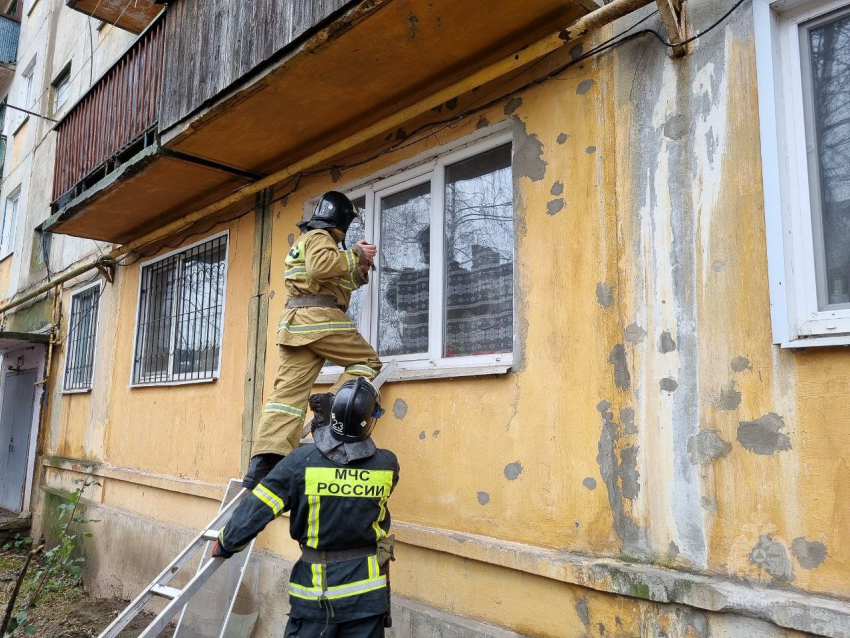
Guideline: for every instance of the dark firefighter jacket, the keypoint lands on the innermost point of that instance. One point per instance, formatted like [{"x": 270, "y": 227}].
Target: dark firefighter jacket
[{"x": 333, "y": 507}]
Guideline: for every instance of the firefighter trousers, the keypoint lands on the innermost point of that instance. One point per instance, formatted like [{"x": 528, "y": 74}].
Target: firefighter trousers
[
  {"x": 280, "y": 426},
  {"x": 369, "y": 627}
]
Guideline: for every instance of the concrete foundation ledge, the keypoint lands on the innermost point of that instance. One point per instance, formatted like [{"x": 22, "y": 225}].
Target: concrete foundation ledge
[{"x": 415, "y": 620}]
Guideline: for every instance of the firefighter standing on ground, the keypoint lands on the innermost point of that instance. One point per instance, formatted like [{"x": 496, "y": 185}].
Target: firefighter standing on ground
[
  {"x": 337, "y": 493},
  {"x": 319, "y": 280}
]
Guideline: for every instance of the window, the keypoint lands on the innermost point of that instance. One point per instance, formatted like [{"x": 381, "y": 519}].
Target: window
[
  {"x": 803, "y": 58},
  {"x": 7, "y": 230},
  {"x": 61, "y": 87},
  {"x": 28, "y": 88},
  {"x": 181, "y": 315},
  {"x": 442, "y": 294},
  {"x": 81, "y": 339}
]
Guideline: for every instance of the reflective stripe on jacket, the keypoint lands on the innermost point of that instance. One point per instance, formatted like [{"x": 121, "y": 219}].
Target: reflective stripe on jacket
[
  {"x": 332, "y": 507},
  {"x": 315, "y": 265}
]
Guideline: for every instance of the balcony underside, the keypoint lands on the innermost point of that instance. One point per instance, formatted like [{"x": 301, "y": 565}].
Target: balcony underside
[
  {"x": 133, "y": 16},
  {"x": 150, "y": 190}
]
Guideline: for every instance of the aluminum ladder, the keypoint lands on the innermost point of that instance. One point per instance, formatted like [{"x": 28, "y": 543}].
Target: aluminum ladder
[{"x": 177, "y": 598}]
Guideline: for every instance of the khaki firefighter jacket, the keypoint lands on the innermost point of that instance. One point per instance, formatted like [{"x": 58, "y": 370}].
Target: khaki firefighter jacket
[{"x": 315, "y": 265}]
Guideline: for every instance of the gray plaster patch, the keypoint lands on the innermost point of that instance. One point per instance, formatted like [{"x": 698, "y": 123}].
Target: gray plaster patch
[
  {"x": 436, "y": 433},
  {"x": 336, "y": 174},
  {"x": 810, "y": 554},
  {"x": 666, "y": 343},
  {"x": 718, "y": 266},
  {"x": 554, "y": 207},
  {"x": 563, "y": 137},
  {"x": 583, "y": 612},
  {"x": 400, "y": 409},
  {"x": 576, "y": 51},
  {"x": 271, "y": 295},
  {"x": 422, "y": 435},
  {"x": 676, "y": 126},
  {"x": 668, "y": 385},
  {"x": 772, "y": 557},
  {"x": 291, "y": 239},
  {"x": 727, "y": 397},
  {"x": 590, "y": 150},
  {"x": 708, "y": 503},
  {"x": 673, "y": 549},
  {"x": 557, "y": 189},
  {"x": 627, "y": 418},
  {"x": 706, "y": 446},
  {"x": 528, "y": 154},
  {"x": 589, "y": 482},
  {"x": 513, "y": 470},
  {"x": 762, "y": 436},
  {"x": 584, "y": 86},
  {"x": 482, "y": 123},
  {"x": 634, "y": 333},
  {"x": 483, "y": 498},
  {"x": 513, "y": 104},
  {"x": 604, "y": 294},
  {"x": 739, "y": 364},
  {"x": 629, "y": 476},
  {"x": 622, "y": 378}
]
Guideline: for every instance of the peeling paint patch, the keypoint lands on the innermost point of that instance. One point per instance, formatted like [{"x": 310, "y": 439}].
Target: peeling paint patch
[
  {"x": 673, "y": 549},
  {"x": 627, "y": 418},
  {"x": 512, "y": 105},
  {"x": 576, "y": 51},
  {"x": 336, "y": 174},
  {"x": 589, "y": 482},
  {"x": 563, "y": 137},
  {"x": 772, "y": 557},
  {"x": 739, "y": 364},
  {"x": 483, "y": 498},
  {"x": 291, "y": 239},
  {"x": 422, "y": 435},
  {"x": 584, "y": 86},
  {"x": 666, "y": 343},
  {"x": 401, "y": 134},
  {"x": 706, "y": 446},
  {"x": 482, "y": 123},
  {"x": 622, "y": 378},
  {"x": 554, "y": 207},
  {"x": 762, "y": 436},
  {"x": 634, "y": 333},
  {"x": 451, "y": 104},
  {"x": 557, "y": 189},
  {"x": 583, "y": 612},
  {"x": 414, "y": 26},
  {"x": 629, "y": 476},
  {"x": 590, "y": 150},
  {"x": 513, "y": 470},
  {"x": 718, "y": 266},
  {"x": 400, "y": 409},
  {"x": 436, "y": 433},
  {"x": 708, "y": 503},
  {"x": 528, "y": 154},
  {"x": 810, "y": 554},
  {"x": 668, "y": 385},
  {"x": 727, "y": 397},
  {"x": 676, "y": 126},
  {"x": 604, "y": 294},
  {"x": 271, "y": 295}
]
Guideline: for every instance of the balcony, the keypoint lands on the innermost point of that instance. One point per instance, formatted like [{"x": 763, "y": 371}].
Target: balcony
[
  {"x": 110, "y": 171},
  {"x": 10, "y": 29},
  {"x": 133, "y": 16}
]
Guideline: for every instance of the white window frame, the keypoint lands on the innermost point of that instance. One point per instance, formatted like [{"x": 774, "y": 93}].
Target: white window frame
[
  {"x": 180, "y": 379},
  {"x": 7, "y": 243},
  {"x": 63, "y": 78},
  {"x": 796, "y": 318},
  {"x": 97, "y": 284},
  {"x": 427, "y": 166},
  {"x": 27, "y": 90}
]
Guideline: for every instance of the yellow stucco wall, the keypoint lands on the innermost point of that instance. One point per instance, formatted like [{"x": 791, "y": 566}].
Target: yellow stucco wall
[{"x": 654, "y": 267}]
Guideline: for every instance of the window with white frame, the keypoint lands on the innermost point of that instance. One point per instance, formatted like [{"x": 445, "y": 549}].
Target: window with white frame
[
  {"x": 803, "y": 57},
  {"x": 442, "y": 294},
  {"x": 180, "y": 317},
  {"x": 80, "y": 342},
  {"x": 61, "y": 88},
  {"x": 7, "y": 227},
  {"x": 28, "y": 88}
]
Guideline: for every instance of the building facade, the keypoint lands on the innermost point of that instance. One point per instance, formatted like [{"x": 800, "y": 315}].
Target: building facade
[{"x": 614, "y": 279}]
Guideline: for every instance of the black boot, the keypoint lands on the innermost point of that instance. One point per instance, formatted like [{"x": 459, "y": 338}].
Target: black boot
[
  {"x": 321, "y": 405},
  {"x": 259, "y": 467}
]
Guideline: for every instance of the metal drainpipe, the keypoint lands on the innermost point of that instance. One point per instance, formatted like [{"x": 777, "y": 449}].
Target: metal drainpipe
[{"x": 590, "y": 22}]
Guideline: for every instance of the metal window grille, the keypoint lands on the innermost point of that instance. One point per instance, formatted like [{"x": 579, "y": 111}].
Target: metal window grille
[
  {"x": 181, "y": 307},
  {"x": 80, "y": 345}
]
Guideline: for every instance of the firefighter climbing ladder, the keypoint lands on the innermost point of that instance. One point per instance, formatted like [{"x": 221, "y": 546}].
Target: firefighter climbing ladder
[{"x": 177, "y": 598}]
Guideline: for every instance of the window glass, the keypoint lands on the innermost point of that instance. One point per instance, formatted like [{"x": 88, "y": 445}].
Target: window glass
[
  {"x": 356, "y": 232},
  {"x": 82, "y": 331},
  {"x": 826, "y": 60},
  {"x": 404, "y": 257},
  {"x": 61, "y": 89},
  {"x": 7, "y": 232},
  {"x": 479, "y": 255}
]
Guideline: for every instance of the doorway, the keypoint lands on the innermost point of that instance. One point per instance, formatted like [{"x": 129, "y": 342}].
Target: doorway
[{"x": 16, "y": 419}]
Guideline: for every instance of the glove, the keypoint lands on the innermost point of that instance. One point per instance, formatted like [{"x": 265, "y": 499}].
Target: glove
[
  {"x": 219, "y": 552},
  {"x": 260, "y": 466}
]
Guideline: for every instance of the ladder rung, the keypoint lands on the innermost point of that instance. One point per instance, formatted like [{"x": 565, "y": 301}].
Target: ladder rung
[
  {"x": 166, "y": 592},
  {"x": 211, "y": 535}
]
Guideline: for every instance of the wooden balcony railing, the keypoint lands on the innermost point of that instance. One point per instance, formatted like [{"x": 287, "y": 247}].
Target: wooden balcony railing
[{"x": 116, "y": 117}]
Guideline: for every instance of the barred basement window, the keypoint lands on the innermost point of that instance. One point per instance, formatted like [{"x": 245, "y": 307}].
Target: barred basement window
[
  {"x": 181, "y": 315},
  {"x": 80, "y": 343}
]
